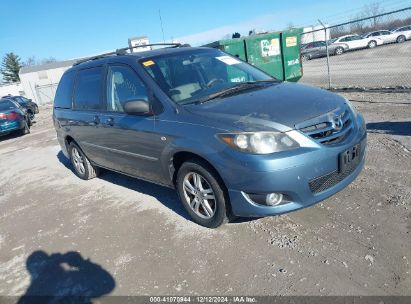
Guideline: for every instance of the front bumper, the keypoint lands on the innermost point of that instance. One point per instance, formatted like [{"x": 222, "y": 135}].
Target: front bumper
[
  {"x": 292, "y": 178},
  {"x": 11, "y": 126}
]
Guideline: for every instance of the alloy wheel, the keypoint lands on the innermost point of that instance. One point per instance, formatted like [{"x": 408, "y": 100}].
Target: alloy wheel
[
  {"x": 199, "y": 195},
  {"x": 78, "y": 161}
]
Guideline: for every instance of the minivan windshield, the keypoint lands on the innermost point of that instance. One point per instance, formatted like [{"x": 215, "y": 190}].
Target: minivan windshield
[{"x": 201, "y": 75}]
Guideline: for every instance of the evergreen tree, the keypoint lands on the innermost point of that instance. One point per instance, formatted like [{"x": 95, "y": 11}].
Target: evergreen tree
[{"x": 10, "y": 67}]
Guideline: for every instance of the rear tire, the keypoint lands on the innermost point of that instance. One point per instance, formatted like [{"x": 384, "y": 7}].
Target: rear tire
[
  {"x": 81, "y": 164},
  {"x": 339, "y": 50},
  {"x": 372, "y": 44},
  {"x": 31, "y": 115},
  {"x": 201, "y": 193},
  {"x": 26, "y": 129},
  {"x": 401, "y": 39}
]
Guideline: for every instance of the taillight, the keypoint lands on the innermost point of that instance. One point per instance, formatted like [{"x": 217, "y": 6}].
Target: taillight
[
  {"x": 3, "y": 116},
  {"x": 13, "y": 116}
]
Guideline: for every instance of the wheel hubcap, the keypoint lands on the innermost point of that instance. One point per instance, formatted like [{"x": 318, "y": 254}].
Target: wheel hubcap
[
  {"x": 199, "y": 195},
  {"x": 78, "y": 161}
]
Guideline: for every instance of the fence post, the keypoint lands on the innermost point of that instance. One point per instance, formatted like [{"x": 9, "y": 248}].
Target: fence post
[{"x": 328, "y": 55}]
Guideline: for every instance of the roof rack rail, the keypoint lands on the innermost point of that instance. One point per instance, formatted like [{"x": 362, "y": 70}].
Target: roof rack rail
[{"x": 123, "y": 51}]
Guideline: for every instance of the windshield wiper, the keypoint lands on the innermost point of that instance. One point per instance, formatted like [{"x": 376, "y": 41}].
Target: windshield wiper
[
  {"x": 263, "y": 80},
  {"x": 232, "y": 90}
]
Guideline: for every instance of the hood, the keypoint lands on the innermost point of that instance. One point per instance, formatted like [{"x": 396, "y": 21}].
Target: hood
[{"x": 279, "y": 106}]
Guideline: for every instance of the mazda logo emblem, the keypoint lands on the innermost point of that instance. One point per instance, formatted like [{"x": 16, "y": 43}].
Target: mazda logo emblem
[{"x": 337, "y": 122}]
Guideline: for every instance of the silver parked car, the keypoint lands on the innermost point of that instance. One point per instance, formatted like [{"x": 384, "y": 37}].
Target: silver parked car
[
  {"x": 355, "y": 42},
  {"x": 405, "y": 31},
  {"x": 387, "y": 36},
  {"x": 318, "y": 49}
]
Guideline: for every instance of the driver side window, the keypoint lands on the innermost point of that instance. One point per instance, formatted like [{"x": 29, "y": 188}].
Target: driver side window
[{"x": 123, "y": 85}]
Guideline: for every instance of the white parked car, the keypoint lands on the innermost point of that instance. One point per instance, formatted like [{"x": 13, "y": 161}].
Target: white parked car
[
  {"x": 387, "y": 36},
  {"x": 358, "y": 42},
  {"x": 404, "y": 31}
]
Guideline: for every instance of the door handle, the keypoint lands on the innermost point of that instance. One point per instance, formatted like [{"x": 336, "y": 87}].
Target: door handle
[{"x": 110, "y": 121}]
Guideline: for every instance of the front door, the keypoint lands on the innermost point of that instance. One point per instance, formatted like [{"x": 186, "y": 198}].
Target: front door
[{"x": 129, "y": 140}]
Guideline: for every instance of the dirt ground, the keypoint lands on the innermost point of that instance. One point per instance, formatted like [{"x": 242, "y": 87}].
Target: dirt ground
[{"x": 135, "y": 238}]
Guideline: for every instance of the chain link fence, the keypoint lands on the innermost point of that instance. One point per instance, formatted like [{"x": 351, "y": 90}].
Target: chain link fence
[{"x": 368, "y": 53}]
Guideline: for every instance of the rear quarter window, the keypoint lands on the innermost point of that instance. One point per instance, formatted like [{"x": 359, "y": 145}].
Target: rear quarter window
[
  {"x": 87, "y": 95},
  {"x": 65, "y": 91}
]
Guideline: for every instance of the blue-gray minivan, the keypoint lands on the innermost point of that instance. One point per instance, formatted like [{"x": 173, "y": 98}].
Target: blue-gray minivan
[{"x": 232, "y": 140}]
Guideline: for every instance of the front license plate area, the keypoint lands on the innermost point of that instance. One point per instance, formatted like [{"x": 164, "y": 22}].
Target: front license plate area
[{"x": 348, "y": 158}]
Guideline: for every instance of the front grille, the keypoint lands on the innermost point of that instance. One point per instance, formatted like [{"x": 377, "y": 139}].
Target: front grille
[
  {"x": 325, "y": 182},
  {"x": 326, "y": 132}
]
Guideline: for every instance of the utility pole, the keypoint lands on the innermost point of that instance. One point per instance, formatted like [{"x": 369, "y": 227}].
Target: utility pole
[{"x": 161, "y": 24}]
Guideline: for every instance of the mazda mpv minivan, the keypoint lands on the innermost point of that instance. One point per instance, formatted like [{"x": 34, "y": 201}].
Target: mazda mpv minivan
[{"x": 232, "y": 140}]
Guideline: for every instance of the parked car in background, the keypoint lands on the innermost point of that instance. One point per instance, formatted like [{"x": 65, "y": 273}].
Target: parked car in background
[
  {"x": 387, "y": 36},
  {"x": 28, "y": 104},
  {"x": 180, "y": 117},
  {"x": 355, "y": 42},
  {"x": 13, "y": 117},
  {"x": 318, "y": 49},
  {"x": 404, "y": 31}
]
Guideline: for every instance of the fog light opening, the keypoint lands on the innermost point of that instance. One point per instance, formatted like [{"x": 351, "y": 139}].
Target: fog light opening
[
  {"x": 267, "y": 199},
  {"x": 273, "y": 199}
]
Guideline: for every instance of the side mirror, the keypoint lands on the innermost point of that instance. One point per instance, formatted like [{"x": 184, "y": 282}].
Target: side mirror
[{"x": 137, "y": 107}]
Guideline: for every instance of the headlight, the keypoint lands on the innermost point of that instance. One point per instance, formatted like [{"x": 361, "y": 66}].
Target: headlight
[{"x": 259, "y": 142}]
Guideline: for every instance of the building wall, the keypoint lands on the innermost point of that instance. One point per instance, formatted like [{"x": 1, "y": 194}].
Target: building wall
[
  {"x": 41, "y": 86},
  {"x": 12, "y": 89},
  {"x": 315, "y": 33}
]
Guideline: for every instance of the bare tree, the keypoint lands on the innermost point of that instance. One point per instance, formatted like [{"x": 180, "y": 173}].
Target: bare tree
[
  {"x": 30, "y": 61},
  {"x": 290, "y": 26},
  {"x": 337, "y": 31},
  {"x": 48, "y": 60},
  {"x": 372, "y": 10},
  {"x": 358, "y": 25}
]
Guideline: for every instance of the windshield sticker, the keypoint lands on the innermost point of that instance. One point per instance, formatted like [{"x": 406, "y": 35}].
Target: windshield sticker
[
  {"x": 228, "y": 60},
  {"x": 290, "y": 41},
  {"x": 270, "y": 47},
  {"x": 148, "y": 63}
]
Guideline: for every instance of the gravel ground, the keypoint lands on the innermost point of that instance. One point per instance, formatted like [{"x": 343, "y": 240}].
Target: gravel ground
[
  {"x": 383, "y": 66},
  {"x": 134, "y": 238}
]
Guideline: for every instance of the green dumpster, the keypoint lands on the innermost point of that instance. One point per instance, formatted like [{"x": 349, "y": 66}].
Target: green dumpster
[
  {"x": 291, "y": 41},
  {"x": 264, "y": 52},
  {"x": 234, "y": 47},
  {"x": 278, "y": 53}
]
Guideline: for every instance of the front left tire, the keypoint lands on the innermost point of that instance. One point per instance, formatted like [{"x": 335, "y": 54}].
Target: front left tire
[{"x": 202, "y": 194}]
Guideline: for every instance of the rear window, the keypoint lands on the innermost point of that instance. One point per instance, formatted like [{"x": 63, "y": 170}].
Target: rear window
[
  {"x": 87, "y": 95},
  {"x": 65, "y": 91},
  {"x": 6, "y": 105}
]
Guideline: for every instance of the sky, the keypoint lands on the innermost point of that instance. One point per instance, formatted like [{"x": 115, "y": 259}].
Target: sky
[{"x": 73, "y": 29}]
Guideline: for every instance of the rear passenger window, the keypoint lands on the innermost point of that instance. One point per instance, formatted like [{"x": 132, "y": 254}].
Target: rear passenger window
[
  {"x": 65, "y": 91},
  {"x": 87, "y": 94}
]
